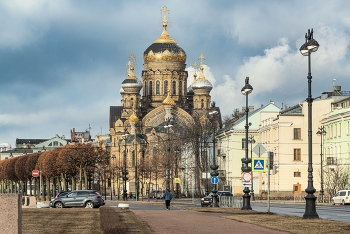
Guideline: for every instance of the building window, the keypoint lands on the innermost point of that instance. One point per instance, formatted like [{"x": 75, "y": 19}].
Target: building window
[
  {"x": 165, "y": 87},
  {"x": 297, "y": 133},
  {"x": 331, "y": 132},
  {"x": 297, "y": 154},
  {"x": 180, "y": 88},
  {"x": 146, "y": 88},
  {"x": 297, "y": 174},
  {"x": 55, "y": 143},
  {"x": 150, "y": 88},
  {"x": 202, "y": 103},
  {"x": 157, "y": 87},
  {"x": 174, "y": 87},
  {"x": 243, "y": 143}
]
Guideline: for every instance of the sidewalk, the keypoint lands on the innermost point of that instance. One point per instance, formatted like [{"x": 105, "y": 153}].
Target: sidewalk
[{"x": 188, "y": 221}]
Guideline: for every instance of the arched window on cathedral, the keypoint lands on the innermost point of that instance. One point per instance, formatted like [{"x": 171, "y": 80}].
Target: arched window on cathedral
[
  {"x": 157, "y": 87},
  {"x": 145, "y": 89},
  {"x": 180, "y": 88},
  {"x": 165, "y": 87},
  {"x": 174, "y": 87},
  {"x": 202, "y": 104},
  {"x": 150, "y": 88}
]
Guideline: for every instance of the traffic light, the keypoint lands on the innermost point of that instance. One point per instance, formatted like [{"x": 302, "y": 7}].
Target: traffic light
[{"x": 270, "y": 160}]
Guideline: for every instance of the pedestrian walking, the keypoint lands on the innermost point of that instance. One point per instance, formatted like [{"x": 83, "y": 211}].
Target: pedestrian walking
[{"x": 167, "y": 198}]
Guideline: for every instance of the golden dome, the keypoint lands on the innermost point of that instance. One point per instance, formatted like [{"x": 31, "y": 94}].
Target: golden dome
[
  {"x": 164, "y": 48},
  {"x": 133, "y": 117},
  {"x": 168, "y": 101}
]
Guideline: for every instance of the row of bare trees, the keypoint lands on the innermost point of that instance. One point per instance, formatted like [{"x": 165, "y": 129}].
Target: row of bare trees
[{"x": 77, "y": 163}]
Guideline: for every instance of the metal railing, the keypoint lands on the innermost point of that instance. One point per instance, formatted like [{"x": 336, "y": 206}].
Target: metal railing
[{"x": 230, "y": 201}]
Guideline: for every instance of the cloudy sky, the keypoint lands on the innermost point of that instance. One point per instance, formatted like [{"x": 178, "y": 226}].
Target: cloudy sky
[{"x": 62, "y": 62}]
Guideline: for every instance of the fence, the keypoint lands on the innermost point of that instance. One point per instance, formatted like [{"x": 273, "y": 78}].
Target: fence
[{"x": 230, "y": 201}]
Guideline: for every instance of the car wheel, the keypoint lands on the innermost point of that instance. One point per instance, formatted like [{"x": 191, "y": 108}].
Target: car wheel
[
  {"x": 58, "y": 205},
  {"x": 343, "y": 202},
  {"x": 202, "y": 205},
  {"x": 89, "y": 204},
  {"x": 333, "y": 203}
]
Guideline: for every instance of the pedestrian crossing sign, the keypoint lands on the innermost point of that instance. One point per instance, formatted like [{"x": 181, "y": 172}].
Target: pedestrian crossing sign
[
  {"x": 177, "y": 180},
  {"x": 259, "y": 164}
]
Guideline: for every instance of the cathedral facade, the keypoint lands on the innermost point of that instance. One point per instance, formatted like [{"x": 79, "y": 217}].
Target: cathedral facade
[{"x": 160, "y": 104}]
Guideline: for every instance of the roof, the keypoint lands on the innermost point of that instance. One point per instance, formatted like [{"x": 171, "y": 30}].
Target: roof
[
  {"x": 29, "y": 141},
  {"x": 115, "y": 113}
]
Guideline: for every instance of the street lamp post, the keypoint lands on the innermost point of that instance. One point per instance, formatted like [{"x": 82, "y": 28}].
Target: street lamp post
[
  {"x": 321, "y": 132},
  {"x": 206, "y": 167},
  {"x": 125, "y": 172},
  {"x": 167, "y": 127},
  {"x": 214, "y": 166},
  {"x": 246, "y": 90},
  {"x": 311, "y": 45},
  {"x": 176, "y": 172},
  {"x": 252, "y": 141}
]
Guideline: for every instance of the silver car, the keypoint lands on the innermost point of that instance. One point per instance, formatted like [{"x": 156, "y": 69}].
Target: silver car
[{"x": 78, "y": 198}]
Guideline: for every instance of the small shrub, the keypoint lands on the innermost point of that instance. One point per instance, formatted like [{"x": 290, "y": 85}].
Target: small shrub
[{"x": 111, "y": 221}]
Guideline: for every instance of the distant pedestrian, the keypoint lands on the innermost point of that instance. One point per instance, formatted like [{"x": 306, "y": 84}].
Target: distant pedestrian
[{"x": 167, "y": 198}]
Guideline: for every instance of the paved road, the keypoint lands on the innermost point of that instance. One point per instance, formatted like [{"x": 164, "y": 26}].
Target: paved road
[
  {"x": 338, "y": 213},
  {"x": 178, "y": 220}
]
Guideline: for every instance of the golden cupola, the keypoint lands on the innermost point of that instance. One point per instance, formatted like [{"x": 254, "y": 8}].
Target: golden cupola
[
  {"x": 131, "y": 84},
  {"x": 168, "y": 101},
  {"x": 201, "y": 85},
  {"x": 133, "y": 118},
  {"x": 164, "y": 48}
]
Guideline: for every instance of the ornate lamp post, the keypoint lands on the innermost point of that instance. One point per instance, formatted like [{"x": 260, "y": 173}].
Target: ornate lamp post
[
  {"x": 125, "y": 172},
  {"x": 246, "y": 90},
  {"x": 177, "y": 150},
  {"x": 321, "y": 132},
  {"x": 311, "y": 45},
  {"x": 252, "y": 141},
  {"x": 214, "y": 166},
  {"x": 167, "y": 127}
]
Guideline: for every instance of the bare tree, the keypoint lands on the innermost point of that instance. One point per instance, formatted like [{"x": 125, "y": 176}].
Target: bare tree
[{"x": 336, "y": 178}]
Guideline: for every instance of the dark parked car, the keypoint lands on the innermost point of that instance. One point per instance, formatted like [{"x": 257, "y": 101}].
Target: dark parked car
[
  {"x": 208, "y": 200},
  {"x": 78, "y": 198}
]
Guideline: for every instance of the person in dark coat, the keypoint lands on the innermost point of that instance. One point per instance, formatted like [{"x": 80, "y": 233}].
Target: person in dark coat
[{"x": 167, "y": 198}]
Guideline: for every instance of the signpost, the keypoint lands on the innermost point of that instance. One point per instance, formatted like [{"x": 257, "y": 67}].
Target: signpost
[
  {"x": 259, "y": 149},
  {"x": 35, "y": 173},
  {"x": 247, "y": 176},
  {"x": 214, "y": 180},
  {"x": 259, "y": 164},
  {"x": 177, "y": 180}
]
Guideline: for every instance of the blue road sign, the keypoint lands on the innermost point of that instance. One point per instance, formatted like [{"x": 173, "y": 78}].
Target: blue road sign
[
  {"x": 259, "y": 164},
  {"x": 214, "y": 180}
]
